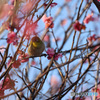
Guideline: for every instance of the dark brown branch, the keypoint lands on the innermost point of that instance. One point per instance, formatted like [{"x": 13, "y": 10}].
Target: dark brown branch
[{"x": 97, "y": 4}]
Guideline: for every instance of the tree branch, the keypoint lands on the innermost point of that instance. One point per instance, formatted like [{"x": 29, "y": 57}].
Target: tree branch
[{"x": 97, "y": 4}]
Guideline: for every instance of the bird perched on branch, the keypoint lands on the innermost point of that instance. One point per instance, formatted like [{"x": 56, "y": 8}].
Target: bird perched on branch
[{"x": 36, "y": 46}]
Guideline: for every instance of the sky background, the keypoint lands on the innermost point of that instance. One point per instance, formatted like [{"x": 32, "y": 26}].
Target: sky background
[{"x": 59, "y": 32}]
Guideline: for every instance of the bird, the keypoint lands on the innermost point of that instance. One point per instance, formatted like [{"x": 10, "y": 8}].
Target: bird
[{"x": 36, "y": 46}]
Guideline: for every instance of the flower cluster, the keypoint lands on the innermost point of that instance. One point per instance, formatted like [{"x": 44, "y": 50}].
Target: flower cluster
[
  {"x": 89, "y": 18},
  {"x": 78, "y": 26},
  {"x": 54, "y": 81},
  {"x": 6, "y": 84},
  {"x": 33, "y": 63},
  {"x": 16, "y": 22},
  {"x": 12, "y": 38},
  {"x": 27, "y": 7},
  {"x": 21, "y": 59},
  {"x": 92, "y": 38},
  {"x": 16, "y": 63},
  {"x": 51, "y": 53},
  {"x": 48, "y": 21},
  {"x": 1, "y": 92},
  {"x": 30, "y": 29},
  {"x": 55, "y": 84},
  {"x": 7, "y": 10}
]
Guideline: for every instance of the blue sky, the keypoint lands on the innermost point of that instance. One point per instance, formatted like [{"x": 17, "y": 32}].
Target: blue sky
[{"x": 59, "y": 32}]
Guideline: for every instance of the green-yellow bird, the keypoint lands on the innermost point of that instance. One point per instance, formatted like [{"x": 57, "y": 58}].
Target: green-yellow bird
[{"x": 36, "y": 46}]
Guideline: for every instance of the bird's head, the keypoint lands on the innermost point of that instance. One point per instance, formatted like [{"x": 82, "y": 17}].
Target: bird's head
[{"x": 36, "y": 41}]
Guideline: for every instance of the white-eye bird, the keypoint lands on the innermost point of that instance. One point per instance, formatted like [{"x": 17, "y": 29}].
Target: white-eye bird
[{"x": 36, "y": 46}]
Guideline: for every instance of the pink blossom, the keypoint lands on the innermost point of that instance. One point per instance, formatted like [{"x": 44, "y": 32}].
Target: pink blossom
[
  {"x": 68, "y": 0},
  {"x": 30, "y": 26},
  {"x": 12, "y": 38},
  {"x": 28, "y": 6},
  {"x": 51, "y": 54},
  {"x": 7, "y": 84},
  {"x": 48, "y": 21},
  {"x": 16, "y": 63},
  {"x": 23, "y": 58},
  {"x": 15, "y": 22},
  {"x": 44, "y": 17},
  {"x": 55, "y": 82},
  {"x": 92, "y": 38},
  {"x": 46, "y": 38},
  {"x": 57, "y": 56},
  {"x": 28, "y": 35},
  {"x": 1, "y": 92},
  {"x": 30, "y": 29},
  {"x": 33, "y": 63},
  {"x": 89, "y": 18},
  {"x": 20, "y": 52},
  {"x": 49, "y": 25},
  {"x": 6, "y": 10},
  {"x": 78, "y": 26}
]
